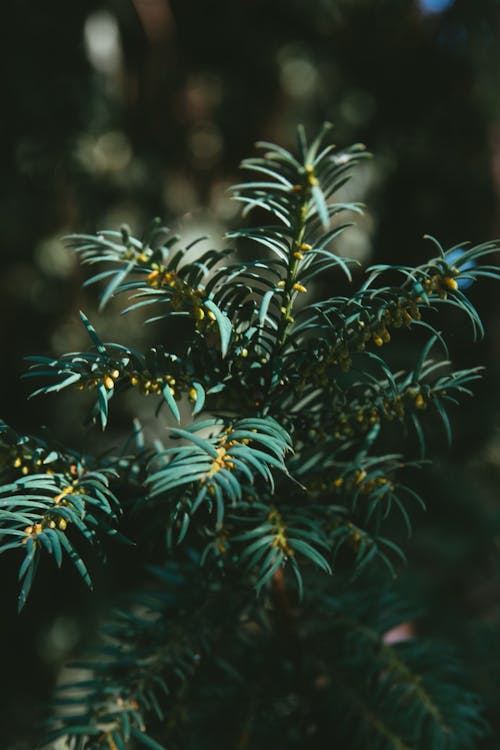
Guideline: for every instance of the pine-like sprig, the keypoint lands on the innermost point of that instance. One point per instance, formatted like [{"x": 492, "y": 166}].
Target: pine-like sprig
[{"x": 285, "y": 466}]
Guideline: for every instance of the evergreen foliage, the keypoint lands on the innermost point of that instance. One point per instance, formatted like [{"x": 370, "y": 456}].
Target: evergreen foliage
[{"x": 270, "y": 520}]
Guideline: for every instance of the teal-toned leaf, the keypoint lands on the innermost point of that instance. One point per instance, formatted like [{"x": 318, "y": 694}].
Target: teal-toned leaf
[
  {"x": 310, "y": 552},
  {"x": 171, "y": 403},
  {"x": 118, "y": 739},
  {"x": 115, "y": 283},
  {"x": 92, "y": 333},
  {"x": 321, "y": 207},
  {"x": 205, "y": 445},
  {"x": 76, "y": 560},
  {"x": 102, "y": 404},
  {"x": 444, "y": 418},
  {"x": 223, "y": 323},
  {"x": 56, "y": 545},
  {"x": 29, "y": 567},
  {"x": 200, "y": 398},
  {"x": 276, "y": 556},
  {"x": 264, "y": 306}
]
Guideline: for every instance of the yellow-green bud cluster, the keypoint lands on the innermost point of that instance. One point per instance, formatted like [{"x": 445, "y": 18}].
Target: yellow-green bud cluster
[
  {"x": 182, "y": 296},
  {"x": 280, "y": 540},
  {"x": 148, "y": 384},
  {"x": 107, "y": 378}
]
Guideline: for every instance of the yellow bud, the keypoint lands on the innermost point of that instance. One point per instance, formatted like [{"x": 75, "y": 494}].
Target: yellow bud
[
  {"x": 281, "y": 284},
  {"x": 297, "y": 255},
  {"x": 300, "y": 288},
  {"x": 62, "y": 524},
  {"x": 115, "y": 374},
  {"x": 450, "y": 283},
  {"x": 420, "y": 402},
  {"x": 244, "y": 353},
  {"x": 153, "y": 278},
  {"x": 193, "y": 394},
  {"x": 211, "y": 315},
  {"x": 198, "y": 313},
  {"x": 305, "y": 247},
  {"x": 134, "y": 380},
  {"x": 25, "y": 470},
  {"x": 109, "y": 382},
  {"x": 18, "y": 462},
  {"x": 361, "y": 475},
  {"x": 378, "y": 340}
]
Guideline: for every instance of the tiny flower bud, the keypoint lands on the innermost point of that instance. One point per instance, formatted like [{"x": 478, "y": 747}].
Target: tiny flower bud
[
  {"x": 198, "y": 313},
  {"x": 420, "y": 402},
  {"x": 450, "y": 283}
]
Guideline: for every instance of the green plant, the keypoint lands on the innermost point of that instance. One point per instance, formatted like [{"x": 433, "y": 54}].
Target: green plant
[{"x": 286, "y": 471}]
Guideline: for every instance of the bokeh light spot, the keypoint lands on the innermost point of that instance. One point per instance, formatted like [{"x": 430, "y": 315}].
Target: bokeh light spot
[
  {"x": 435, "y": 6},
  {"x": 102, "y": 42}
]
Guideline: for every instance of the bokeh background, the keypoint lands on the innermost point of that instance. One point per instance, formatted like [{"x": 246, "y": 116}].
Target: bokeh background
[{"x": 124, "y": 110}]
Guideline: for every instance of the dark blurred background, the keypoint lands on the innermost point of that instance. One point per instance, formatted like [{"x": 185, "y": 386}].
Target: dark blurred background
[{"x": 120, "y": 111}]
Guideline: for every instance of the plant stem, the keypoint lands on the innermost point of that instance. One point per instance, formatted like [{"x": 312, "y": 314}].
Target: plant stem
[{"x": 288, "y": 296}]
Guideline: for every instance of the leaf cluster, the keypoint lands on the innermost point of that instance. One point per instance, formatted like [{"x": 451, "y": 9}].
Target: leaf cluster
[{"x": 288, "y": 467}]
